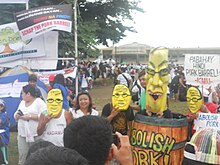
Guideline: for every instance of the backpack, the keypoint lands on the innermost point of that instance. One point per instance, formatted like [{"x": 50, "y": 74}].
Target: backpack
[{"x": 135, "y": 95}]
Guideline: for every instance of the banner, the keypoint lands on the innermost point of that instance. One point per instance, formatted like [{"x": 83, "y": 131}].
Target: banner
[
  {"x": 15, "y": 51},
  {"x": 12, "y": 89},
  {"x": 13, "y": 1},
  {"x": 37, "y": 21},
  {"x": 44, "y": 76},
  {"x": 209, "y": 120},
  {"x": 202, "y": 69}
]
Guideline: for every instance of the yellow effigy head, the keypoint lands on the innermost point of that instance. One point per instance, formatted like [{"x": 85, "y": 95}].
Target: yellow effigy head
[
  {"x": 157, "y": 80},
  {"x": 121, "y": 97},
  {"x": 194, "y": 99},
  {"x": 54, "y": 102}
]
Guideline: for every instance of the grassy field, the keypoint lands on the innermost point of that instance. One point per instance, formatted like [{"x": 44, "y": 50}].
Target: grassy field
[{"x": 101, "y": 94}]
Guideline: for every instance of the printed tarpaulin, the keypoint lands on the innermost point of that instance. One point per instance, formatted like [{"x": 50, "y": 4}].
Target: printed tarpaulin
[
  {"x": 37, "y": 21},
  {"x": 14, "y": 1},
  {"x": 205, "y": 146}
]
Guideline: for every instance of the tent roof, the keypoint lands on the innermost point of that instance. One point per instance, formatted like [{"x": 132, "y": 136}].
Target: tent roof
[{"x": 16, "y": 70}]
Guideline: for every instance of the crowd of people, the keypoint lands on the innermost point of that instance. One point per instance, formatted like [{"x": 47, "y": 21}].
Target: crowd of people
[{"x": 63, "y": 129}]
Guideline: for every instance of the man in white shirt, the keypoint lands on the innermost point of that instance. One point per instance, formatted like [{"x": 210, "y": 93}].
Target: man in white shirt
[{"x": 124, "y": 78}]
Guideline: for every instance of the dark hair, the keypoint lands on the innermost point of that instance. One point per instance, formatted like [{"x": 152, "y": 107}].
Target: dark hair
[
  {"x": 29, "y": 89},
  {"x": 91, "y": 136},
  {"x": 90, "y": 100},
  {"x": 59, "y": 79},
  {"x": 38, "y": 145},
  {"x": 142, "y": 73},
  {"x": 55, "y": 155},
  {"x": 32, "y": 77}
]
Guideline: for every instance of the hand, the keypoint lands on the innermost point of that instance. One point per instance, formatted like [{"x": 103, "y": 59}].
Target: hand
[
  {"x": 160, "y": 114},
  {"x": 114, "y": 111},
  {"x": 46, "y": 119},
  {"x": 204, "y": 109},
  {"x": 25, "y": 117},
  {"x": 149, "y": 113},
  {"x": 123, "y": 153}
]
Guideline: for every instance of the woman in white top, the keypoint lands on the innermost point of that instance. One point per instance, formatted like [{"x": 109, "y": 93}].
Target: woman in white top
[
  {"x": 84, "y": 106},
  {"x": 27, "y": 116}
]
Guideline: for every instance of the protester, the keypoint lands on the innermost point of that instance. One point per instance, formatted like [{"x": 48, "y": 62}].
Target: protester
[
  {"x": 53, "y": 121},
  {"x": 4, "y": 134},
  {"x": 84, "y": 106},
  {"x": 51, "y": 81},
  {"x": 124, "y": 78},
  {"x": 157, "y": 82},
  {"x": 27, "y": 116},
  {"x": 32, "y": 80},
  {"x": 118, "y": 112},
  {"x": 55, "y": 155},
  {"x": 197, "y": 103},
  {"x": 38, "y": 145},
  {"x": 84, "y": 80},
  {"x": 91, "y": 136},
  {"x": 142, "y": 93},
  {"x": 59, "y": 83}
]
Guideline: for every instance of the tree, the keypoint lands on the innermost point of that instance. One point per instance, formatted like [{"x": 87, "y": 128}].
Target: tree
[
  {"x": 99, "y": 22},
  {"x": 8, "y": 36}
]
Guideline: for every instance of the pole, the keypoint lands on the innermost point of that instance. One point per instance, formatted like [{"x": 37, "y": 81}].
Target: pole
[
  {"x": 27, "y": 6},
  {"x": 76, "y": 44}
]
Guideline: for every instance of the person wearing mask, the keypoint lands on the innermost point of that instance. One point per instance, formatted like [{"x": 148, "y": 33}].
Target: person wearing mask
[
  {"x": 53, "y": 120},
  {"x": 118, "y": 112},
  {"x": 157, "y": 79}
]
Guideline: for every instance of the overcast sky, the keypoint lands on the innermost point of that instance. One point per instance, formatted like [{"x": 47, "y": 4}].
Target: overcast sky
[{"x": 177, "y": 23}]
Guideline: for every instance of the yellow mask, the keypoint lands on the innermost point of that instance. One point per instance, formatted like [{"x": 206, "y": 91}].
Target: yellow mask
[
  {"x": 54, "y": 102},
  {"x": 194, "y": 99},
  {"x": 157, "y": 80},
  {"x": 121, "y": 97}
]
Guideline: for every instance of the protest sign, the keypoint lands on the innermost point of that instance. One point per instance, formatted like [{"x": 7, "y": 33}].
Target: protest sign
[
  {"x": 202, "y": 69},
  {"x": 209, "y": 120},
  {"x": 37, "y": 21}
]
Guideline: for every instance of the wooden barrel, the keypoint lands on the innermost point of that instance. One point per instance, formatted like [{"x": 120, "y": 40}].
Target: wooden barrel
[{"x": 158, "y": 141}]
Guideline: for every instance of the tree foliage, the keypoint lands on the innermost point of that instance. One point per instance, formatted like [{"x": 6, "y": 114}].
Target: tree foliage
[{"x": 99, "y": 21}]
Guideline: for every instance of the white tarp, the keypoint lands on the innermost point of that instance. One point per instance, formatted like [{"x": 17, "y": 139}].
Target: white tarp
[
  {"x": 13, "y": 1},
  {"x": 35, "y": 53},
  {"x": 202, "y": 69}
]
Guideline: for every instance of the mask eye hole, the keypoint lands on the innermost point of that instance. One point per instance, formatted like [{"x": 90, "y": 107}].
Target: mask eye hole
[
  {"x": 150, "y": 71},
  {"x": 50, "y": 100},
  {"x": 164, "y": 72},
  {"x": 58, "y": 100}
]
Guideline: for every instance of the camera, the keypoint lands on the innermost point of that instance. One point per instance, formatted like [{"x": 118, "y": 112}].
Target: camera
[{"x": 115, "y": 139}]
